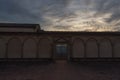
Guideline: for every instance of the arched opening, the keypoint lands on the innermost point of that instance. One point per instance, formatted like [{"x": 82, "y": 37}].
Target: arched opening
[
  {"x": 14, "y": 48},
  {"x": 91, "y": 48},
  {"x": 61, "y": 49},
  {"x": 45, "y": 48},
  {"x": 105, "y": 49},
  {"x": 29, "y": 49},
  {"x": 117, "y": 48},
  {"x": 78, "y": 49}
]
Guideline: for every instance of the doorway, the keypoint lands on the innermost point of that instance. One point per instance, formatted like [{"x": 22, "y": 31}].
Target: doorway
[{"x": 61, "y": 51}]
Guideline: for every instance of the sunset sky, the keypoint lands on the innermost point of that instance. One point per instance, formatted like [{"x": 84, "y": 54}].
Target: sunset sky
[{"x": 63, "y": 15}]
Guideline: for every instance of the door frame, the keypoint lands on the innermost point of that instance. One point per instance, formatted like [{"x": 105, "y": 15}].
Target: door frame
[
  {"x": 62, "y": 40},
  {"x": 68, "y": 50},
  {"x": 55, "y": 53}
]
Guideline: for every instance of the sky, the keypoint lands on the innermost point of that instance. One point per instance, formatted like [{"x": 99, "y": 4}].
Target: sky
[{"x": 63, "y": 15}]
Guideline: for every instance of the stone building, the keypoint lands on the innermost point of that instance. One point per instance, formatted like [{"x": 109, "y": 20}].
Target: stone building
[{"x": 28, "y": 42}]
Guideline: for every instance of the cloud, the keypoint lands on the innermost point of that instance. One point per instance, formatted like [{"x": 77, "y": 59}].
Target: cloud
[
  {"x": 72, "y": 15},
  {"x": 109, "y": 6}
]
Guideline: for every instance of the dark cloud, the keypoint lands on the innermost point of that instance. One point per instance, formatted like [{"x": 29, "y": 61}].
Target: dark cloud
[
  {"x": 63, "y": 14},
  {"x": 109, "y": 6},
  {"x": 14, "y": 8},
  {"x": 29, "y": 9}
]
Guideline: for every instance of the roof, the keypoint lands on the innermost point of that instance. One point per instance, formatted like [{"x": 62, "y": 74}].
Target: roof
[
  {"x": 16, "y": 25},
  {"x": 53, "y": 33}
]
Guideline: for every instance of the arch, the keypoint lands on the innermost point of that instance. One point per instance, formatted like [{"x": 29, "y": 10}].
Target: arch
[
  {"x": 14, "y": 48},
  {"x": 78, "y": 48},
  {"x": 29, "y": 48},
  {"x": 44, "y": 48},
  {"x": 2, "y": 48},
  {"x": 117, "y": 48},
  {"x": 91, "y": 48},
  {"x": 105, "y": 48}
]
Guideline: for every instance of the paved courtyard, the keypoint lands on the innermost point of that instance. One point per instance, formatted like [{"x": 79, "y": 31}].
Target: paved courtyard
[{"x": 60, "y": 70}]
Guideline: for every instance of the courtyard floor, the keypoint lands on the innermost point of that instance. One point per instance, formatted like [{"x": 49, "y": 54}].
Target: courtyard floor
[{"x": 60, "y": 70}]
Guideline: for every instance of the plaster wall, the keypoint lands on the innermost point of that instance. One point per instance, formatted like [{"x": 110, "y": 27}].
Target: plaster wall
[{"x": 42, "y": 45}]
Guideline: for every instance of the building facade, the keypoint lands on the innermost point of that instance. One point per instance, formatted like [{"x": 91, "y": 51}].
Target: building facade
[{"x": 59, "y": 45}]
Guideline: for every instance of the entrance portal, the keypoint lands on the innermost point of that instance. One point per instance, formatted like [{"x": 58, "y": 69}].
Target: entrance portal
[{"x": 61, "y": 51}]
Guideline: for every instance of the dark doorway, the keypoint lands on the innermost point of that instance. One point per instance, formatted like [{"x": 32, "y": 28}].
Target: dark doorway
[{"x": 61, "y": 51}]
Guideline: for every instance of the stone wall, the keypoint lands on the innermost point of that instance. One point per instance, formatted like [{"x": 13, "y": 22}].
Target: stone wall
[{"x": 25, "y": 45}]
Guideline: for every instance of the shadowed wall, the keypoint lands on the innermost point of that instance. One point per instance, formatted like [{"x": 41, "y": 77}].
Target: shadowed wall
[
  {"x": 2, "y": 48},
  {"x": 42, "y": 45}
]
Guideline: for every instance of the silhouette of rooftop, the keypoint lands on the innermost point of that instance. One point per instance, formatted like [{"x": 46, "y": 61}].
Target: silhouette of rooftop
[
  {"x": 38, "y": 29},
  {"x": 18, "y": 25}
]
